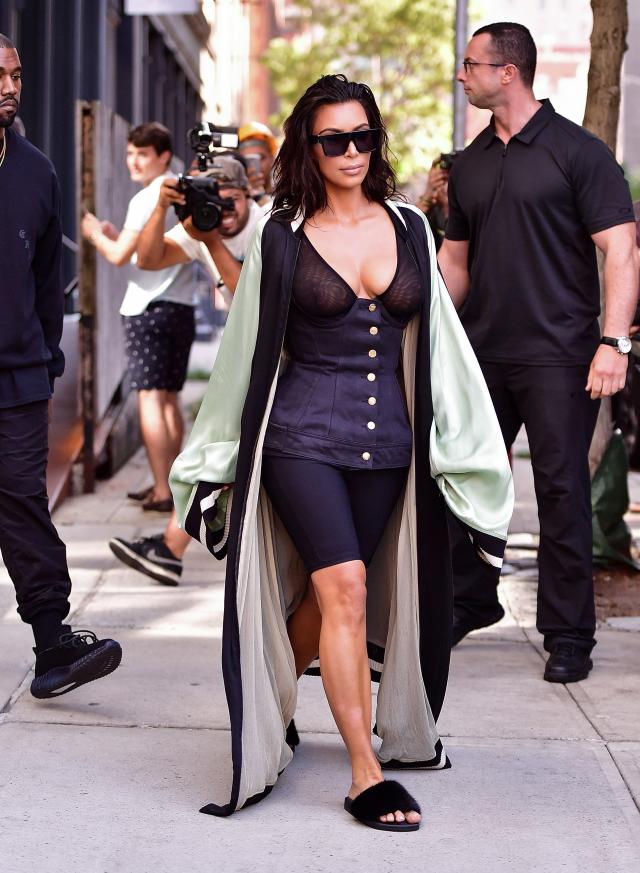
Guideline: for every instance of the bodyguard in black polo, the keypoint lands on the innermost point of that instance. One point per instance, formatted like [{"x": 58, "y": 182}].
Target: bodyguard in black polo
[
  {"x": 529, "y": 201},
  {"x": 31, "y": 294}
]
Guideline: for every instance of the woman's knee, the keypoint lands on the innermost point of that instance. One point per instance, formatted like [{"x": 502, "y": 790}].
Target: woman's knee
[{"x": 341, "y": 591}]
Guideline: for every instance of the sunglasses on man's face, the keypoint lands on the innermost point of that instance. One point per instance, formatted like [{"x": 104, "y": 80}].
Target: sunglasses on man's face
[{"x": 336, "y": 144}]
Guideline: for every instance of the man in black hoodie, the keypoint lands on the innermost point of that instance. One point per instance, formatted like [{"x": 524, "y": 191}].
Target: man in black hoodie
[{"x": 30, "y": 359}]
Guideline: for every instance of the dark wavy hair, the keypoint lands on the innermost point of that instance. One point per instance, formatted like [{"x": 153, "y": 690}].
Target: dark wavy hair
[{"x": 299, "y": 188}]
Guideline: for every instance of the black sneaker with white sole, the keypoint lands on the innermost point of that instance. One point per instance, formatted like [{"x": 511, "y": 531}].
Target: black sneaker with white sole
[
  {"x": 149, "y": 555},
  {"x": 78, "y": 657}
]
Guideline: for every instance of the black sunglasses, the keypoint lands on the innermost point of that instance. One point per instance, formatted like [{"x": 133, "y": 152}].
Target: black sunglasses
[{"x": 336, "y": 144}]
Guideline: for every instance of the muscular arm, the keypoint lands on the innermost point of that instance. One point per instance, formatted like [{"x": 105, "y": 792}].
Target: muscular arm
[
  {"x": 618, "y": 244},
  {"x": 453, "y": 258}
]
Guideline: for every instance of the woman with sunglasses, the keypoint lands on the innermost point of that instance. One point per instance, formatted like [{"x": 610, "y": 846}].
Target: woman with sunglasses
[{"x": 344, "y": 404}]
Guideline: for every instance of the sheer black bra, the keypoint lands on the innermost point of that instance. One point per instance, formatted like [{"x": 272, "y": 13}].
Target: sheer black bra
[{"x": 319, "y": 291}]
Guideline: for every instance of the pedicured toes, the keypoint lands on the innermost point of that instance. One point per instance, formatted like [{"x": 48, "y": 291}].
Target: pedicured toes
[
  {"x": 399, "y": 815},
  {"x": 413, "y": 817}
]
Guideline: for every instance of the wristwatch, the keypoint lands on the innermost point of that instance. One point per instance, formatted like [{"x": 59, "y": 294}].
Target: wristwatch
[{"x": 622, "y": 344}]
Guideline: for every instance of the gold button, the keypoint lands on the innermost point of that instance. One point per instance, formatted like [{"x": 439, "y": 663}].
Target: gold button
[
  {"x": 371, "y": 377},
  {"x": 372, "y": 353},
  {"x": 372, "y": 401},
  {"x": 371, "y": 425},
  {"x": 373, "y": 330},
  {"x": 372, "y": 307},
  {"x": 366, "y": 456}
]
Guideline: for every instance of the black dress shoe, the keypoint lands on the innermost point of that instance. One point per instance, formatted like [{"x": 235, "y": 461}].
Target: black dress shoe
[
  {"x": 568, "y": 663},
  {"x": 463, "y": 625}
]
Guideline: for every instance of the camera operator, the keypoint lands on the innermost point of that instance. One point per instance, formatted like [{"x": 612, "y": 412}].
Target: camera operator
[
  {"x": 435, "y": 201},
  {"x": 222, "y": 251},
  {"x": 258, "y": 147}
]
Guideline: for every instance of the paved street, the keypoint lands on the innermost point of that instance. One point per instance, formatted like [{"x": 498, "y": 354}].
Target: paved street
[{"x": 110, "y": 778}]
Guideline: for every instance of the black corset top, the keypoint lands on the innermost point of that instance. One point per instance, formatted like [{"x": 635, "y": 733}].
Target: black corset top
[{"x": 339, "y": 400}]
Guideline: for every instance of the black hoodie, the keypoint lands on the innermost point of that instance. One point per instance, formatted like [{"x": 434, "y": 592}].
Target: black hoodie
[{"x": 31, "y": 291}]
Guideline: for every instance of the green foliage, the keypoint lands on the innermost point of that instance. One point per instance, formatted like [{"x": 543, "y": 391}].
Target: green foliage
[{"x": 403, "y": 49}]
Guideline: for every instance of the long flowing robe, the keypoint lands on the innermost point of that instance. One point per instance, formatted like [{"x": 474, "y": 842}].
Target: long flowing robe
[{"x": 459, "y": 465}]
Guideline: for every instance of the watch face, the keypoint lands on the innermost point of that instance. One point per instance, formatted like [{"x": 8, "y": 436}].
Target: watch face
[{"x": 624, "y": 345}]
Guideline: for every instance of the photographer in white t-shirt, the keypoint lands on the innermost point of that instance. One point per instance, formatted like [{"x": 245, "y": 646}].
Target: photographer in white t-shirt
[
  {"x": 157, "y": 311},
  {"x": 222, "y": 251}
]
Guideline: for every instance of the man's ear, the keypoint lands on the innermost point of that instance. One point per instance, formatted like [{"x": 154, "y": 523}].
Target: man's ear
[
  {"x": 510, "y": 73},
  {"x": 166, "y": 156}
]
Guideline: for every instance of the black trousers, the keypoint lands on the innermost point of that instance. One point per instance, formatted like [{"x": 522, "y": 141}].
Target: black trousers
[
  {"x": 559, "y": 417},
  {"x": 33, "y": 553}
]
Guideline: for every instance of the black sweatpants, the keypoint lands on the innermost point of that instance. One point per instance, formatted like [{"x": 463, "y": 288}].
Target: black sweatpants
[
  {"x": 559, "y": 417},
  {"x": 33, "y": 553}
]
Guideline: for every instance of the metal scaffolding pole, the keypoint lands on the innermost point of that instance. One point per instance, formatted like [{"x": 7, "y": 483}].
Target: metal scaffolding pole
[{"x": 459, "y": 99}]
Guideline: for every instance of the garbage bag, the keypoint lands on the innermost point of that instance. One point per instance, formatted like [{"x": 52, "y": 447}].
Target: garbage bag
[{"x": 609, "y": 502}]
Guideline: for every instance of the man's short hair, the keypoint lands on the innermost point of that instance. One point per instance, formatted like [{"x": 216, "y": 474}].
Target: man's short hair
[
  {"x": 5, "y": 42},
  {"x": 513, "y": 44},
  {"x": 153, "y": 134}
]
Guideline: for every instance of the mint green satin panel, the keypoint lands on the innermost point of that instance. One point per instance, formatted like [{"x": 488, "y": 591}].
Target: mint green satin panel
[{"x": 211, "y": 451}]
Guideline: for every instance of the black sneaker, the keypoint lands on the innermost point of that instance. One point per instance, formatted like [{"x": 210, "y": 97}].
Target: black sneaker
[
  {"x": 77, "y": 658},
  {"x": 151, "y": 556},
  {"x": 568, "y": 663}
]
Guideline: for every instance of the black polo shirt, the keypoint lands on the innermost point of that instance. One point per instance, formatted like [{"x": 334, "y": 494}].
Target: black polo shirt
[{"x": 528, "y": 209}]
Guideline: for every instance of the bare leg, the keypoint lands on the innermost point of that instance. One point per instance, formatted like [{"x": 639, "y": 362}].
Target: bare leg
[
  {"x": 157, "y": 440},
  {"x": 341, "y": 596},
  {"x": 303, "y": 628},
  {"x": 175, "y": 538},
  {"x": 174, "y": 422}
]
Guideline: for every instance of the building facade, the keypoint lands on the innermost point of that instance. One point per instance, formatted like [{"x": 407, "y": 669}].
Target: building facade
[{"x": 172, "y": 61}]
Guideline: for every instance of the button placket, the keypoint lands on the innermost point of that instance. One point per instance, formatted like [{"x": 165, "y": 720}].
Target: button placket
[{"x": 370, "y": 398}]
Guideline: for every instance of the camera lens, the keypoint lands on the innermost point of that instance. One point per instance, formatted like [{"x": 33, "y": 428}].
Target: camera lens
[{"x": 206, "y": 216}]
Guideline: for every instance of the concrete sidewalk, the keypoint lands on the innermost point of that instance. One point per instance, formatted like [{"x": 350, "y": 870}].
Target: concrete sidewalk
[{"x": 110, "y": 777}]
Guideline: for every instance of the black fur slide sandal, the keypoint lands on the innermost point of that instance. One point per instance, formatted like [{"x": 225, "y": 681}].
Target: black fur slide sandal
[{"x": 383, "y": 799}]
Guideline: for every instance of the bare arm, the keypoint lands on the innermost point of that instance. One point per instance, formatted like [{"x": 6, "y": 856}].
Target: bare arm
[
  {"x": 228, "y": 267},
  {"x": 155, "y": 251},
  {"x": 226, "y": 264},
  {"x": 117, "y": 251},
  {"x": 608, "y": 369},
  {"x": 453, "y": 258}
]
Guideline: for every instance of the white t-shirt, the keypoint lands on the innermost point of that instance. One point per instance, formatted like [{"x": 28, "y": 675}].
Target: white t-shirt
[
  {"x": 238, "y": 245},
  {"x": 175, "y": 284}
]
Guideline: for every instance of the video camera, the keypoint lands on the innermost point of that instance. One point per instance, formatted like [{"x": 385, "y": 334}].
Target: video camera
[{"x": 202, "y": 193}]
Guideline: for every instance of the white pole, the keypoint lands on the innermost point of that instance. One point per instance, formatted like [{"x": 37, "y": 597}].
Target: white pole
[{"x": 459, "y": 99}]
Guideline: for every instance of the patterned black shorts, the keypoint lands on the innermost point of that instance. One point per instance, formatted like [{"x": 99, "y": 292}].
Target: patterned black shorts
[{"x": 158, "y": 343}]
